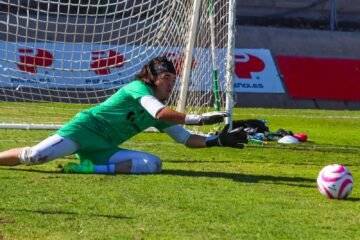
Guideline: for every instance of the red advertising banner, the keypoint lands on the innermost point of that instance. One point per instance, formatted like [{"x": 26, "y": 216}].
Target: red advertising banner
[
  {"x": 255, "y": 72},
  {"x": 321, "y": 78}
]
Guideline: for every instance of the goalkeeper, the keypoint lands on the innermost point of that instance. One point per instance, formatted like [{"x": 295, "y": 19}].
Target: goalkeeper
[{"x": 95, "y": 134}]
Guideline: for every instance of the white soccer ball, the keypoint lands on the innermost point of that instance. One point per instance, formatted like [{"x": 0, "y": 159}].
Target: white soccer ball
[{"x": 335, "y": 181}]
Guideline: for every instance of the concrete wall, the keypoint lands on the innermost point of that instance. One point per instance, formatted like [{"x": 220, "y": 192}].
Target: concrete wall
[
  {"x": 300, "y": 42},
  {"x": 344, "y": 6},
  {"x": 309, "y": 8},
  {"x": 297, "y": 42}
]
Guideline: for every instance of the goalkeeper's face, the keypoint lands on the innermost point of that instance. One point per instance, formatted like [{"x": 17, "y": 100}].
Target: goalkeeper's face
[{"x": 164, "y": 84}]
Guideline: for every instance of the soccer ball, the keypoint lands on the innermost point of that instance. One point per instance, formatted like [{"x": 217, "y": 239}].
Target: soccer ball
[{"x": 335, "y": 181}]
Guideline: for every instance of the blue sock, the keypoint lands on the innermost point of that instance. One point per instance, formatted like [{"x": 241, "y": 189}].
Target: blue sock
[{"x": 105, "y": 169}]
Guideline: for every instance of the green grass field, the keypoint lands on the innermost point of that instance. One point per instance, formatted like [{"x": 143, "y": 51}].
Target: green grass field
[{"x": 218, "y": 193}]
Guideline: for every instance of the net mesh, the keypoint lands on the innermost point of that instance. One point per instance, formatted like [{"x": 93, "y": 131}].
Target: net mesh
[{"x": 61, "y": 56}]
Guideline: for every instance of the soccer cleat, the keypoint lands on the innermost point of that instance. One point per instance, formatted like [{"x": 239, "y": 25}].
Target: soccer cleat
[{"x": 83, "y": 167}]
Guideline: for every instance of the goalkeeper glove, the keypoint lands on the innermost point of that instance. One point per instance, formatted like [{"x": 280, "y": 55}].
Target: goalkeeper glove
[
  {"x": 205, "y": 118},
  {"x": 234, "y": 138}
]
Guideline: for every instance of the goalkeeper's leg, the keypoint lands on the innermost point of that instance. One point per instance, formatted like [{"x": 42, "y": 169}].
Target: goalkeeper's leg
[
  {"x": 126, "y": 161},
  {"x": 51, "y": 148}
]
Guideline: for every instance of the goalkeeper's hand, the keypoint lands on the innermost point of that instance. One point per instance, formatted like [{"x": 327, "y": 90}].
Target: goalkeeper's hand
[
  {"x": 205, "y": 118},
  {"x": 234, "y": 138}
]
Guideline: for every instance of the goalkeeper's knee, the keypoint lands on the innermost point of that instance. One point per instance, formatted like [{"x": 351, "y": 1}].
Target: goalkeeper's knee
[
  {"x": 31, "y": 156},
  {"x": 51, "y": 148},
  {"x": 150, "y": 164}
]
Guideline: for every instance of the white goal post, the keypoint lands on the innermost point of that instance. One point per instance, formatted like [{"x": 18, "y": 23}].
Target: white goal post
[{"x": 60, "y": 56}]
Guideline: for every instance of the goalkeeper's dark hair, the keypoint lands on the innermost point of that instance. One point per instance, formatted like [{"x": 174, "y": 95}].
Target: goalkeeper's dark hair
[{"x": 153, "y": 68}]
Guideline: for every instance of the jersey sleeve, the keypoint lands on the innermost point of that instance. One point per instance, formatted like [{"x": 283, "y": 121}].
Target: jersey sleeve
[
  {"x": 151, "y": 105},
  {"x": 138, "y": 89},
  {"x": 178, "y": 133}
]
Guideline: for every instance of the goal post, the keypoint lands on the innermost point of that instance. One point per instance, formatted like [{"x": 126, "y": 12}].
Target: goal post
[{"x": 59, "y": 57}]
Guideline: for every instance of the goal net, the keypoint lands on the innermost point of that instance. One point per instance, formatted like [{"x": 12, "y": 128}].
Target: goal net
[{"x": 60, "y": 56}]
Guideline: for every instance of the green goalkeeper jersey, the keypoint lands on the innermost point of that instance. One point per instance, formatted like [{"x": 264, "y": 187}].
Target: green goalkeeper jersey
[{"x": 114, "y": 121}]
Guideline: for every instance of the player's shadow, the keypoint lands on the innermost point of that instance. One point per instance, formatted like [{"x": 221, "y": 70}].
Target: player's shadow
[
  {"x": 240, "y": 177},
  {"x": 197, "y": 161},
  {"x": 248, "y": 178},
  {"x": 353, "y": 199},
  {"x": 57, "y": 212}
]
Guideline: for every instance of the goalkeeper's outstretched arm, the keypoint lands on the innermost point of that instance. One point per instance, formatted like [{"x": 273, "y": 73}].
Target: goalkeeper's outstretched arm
[
  {"x": 234, "y": 138},
  {"x": 159, "y": 111}
]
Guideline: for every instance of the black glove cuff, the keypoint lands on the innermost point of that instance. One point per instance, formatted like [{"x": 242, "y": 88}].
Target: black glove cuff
[{"x": 213, "y": 141}]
